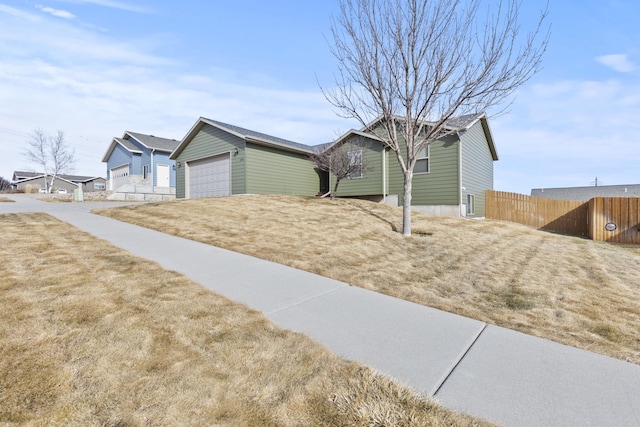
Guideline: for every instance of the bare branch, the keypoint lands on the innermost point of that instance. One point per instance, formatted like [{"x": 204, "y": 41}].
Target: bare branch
[
  {"x": 343, "y": 161},
  {"x": 417, "y": 64},
  {"x": 51, "y": 153}
]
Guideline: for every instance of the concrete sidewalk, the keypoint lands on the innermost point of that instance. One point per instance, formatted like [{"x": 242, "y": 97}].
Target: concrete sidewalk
[{"x": 495, "y": 373}]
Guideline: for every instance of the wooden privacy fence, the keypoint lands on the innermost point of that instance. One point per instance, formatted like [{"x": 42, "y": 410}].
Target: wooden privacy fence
[
  {"x": 607, "y": 219},
  {"x": 560, "y": 216},
  {"x": 615, "y": 219}
]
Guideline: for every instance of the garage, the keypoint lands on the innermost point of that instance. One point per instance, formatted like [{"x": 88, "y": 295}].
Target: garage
[
  {"x": 209, "y": 177},
  {"x": 119, "y": 176}
]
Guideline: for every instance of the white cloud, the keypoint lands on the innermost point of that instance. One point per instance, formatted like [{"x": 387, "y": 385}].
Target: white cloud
[
  {"x": 95, "y": 87},
  {"x": 17, "y": 13},
  {"x": 567, "y": 137},
  {"x": 112, "y": 4},
  {"x": 57, "y": 12},
  {"x": 617, "y": 62}
]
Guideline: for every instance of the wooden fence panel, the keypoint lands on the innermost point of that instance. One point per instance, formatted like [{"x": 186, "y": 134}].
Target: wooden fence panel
[
  {"x": 623, "y": 212},
  {"x": 560, "y": 216}
]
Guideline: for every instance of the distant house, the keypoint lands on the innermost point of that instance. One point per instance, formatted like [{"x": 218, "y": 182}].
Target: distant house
[
  {"x": 140, "y": 160},
  {"x": 36, "y": 180},
  {"x": 587, "y": 193},
  {"x": 218, "y": 159}
]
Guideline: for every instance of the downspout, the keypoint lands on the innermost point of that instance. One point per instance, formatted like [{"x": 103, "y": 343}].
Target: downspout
[
  {"x": 460, "y": 176},
  {"x": 384, "y": 174},
  {"x": 153, "y": 173}
]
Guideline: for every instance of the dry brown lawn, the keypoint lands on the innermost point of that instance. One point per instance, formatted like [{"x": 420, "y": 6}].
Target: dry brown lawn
[
  {"x": 574, "y": 291},
  {"x": 6, "y": 199},
  {"x": 92, "y": 336}
]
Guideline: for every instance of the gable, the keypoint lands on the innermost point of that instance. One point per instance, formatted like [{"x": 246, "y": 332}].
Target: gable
[
  {"x": 459, "y": 125},
  {"x": 122, "y": 145},
  {"x": 151, "y": 142}
]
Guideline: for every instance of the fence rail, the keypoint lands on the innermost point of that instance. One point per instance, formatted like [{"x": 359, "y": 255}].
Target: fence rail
[{"x": 560, "y": 216}]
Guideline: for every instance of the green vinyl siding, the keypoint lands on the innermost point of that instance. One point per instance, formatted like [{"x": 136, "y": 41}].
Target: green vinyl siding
[
  {"x": 437, "y": 187},
  {"x": 371, "y": 181},
  {"x": 209, "y": 142},
  {"x": 275, "y": 171},
  {"x": 477, "y": 167}
]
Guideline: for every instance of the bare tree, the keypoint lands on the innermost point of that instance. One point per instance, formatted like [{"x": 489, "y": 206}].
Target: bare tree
[
  {"x": 4, "y": 184},
  {"x": 343, "y": 161},
  {"x": 418, "y": 64},
  {"x": 51, "y": 152}
]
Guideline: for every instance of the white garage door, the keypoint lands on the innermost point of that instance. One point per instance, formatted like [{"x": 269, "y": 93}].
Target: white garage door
[
  {"x": 209, "y": 177},
  {"x": 119, "y": 176}
]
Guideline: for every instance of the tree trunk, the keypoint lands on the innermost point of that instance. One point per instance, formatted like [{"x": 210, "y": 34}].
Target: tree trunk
[
  {"x": 335, "y": 189},
  {"x": 406, "y": 203}
]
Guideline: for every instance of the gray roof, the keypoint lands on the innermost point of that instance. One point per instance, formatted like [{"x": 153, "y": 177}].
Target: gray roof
[
  {"x": 79, "y": 178},
  {"x": 20, "y": 175},
  {"x": 587, "y": 193},
  {"x": 155, "y": 142},
  {"x": 461, "y": 122},
  {"x": 127, "y": 144},
  {"x": 247, "y": 133}
]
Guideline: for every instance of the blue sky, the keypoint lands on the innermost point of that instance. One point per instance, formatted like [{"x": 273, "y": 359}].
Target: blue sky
[{"x": 95, "y": 68}]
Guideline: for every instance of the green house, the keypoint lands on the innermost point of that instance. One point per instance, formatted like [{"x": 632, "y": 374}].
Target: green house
[
  {"x": 218, "y": 159},
  {"x": 450, "y": 177}
]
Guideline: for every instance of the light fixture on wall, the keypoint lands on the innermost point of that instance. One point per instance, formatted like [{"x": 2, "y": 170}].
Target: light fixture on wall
[
  {"x": 179, "y": 164},
  {"x": 235, "y": 151}
]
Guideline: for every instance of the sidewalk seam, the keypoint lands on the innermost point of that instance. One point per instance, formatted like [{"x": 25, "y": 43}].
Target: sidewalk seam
[
  {"x": 455, "y": 364},
  {"x": 345, "y": 285}
]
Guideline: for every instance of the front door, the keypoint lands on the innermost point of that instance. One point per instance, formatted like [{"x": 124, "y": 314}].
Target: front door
[{"x": 162, "y": 175}]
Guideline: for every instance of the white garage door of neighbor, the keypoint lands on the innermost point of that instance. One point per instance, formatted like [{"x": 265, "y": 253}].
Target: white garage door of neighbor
[
  {"x": 119, "y": 176},
  {"x": 209, "y": 177}
]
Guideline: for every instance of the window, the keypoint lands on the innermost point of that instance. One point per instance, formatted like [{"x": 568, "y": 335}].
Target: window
[
  {"x": 471, "y": 204},
  {"x": 422, "y": 162},
  {"x": 145, "y": 171},
  {"x": 355, "y": 160},
  {"x": 99, "y": 186}
]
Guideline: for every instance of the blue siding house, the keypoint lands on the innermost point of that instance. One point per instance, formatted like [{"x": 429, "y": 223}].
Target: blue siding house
[{"x": 140, "y": 160}]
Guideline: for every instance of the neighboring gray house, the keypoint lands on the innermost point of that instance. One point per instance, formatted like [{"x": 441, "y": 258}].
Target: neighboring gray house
[
  {"x": 140, "y": 160},
  {"x": 35, "y": 180},
  {"x": 218, "y": 159},
  {"x": 587, "y": 193}
]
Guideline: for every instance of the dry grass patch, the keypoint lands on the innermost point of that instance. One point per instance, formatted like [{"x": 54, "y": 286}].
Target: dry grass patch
[
  {"x": 6, "y": 199},
  {"x": 90, "y": 335},
  {"x": 574, "y": 291}
]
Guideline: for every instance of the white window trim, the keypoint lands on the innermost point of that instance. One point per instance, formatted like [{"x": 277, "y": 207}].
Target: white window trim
[
  {"x": 428, "y": 159},
  {"x": 471, "y": 204}
]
